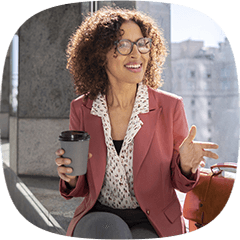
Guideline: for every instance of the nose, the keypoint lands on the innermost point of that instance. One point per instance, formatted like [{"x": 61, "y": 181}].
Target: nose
[{"x": 135, "y": 53}]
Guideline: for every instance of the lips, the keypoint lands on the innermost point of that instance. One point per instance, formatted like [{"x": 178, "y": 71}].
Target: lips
[{"x": 134, "y": 67}]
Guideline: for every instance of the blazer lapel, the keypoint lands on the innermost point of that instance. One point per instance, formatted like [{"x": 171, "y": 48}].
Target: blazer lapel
[
  {"x": 97, "y": 147},
  {"x": 143, "y": 139}
]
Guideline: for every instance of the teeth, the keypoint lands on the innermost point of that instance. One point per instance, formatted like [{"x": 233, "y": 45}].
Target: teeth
[{"x": 133, "y": 66}]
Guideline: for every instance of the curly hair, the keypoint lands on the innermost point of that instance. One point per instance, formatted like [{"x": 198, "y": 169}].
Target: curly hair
[{"x": 95, "y": 37}]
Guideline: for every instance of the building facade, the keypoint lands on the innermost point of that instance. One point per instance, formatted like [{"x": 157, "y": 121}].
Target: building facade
[{"x": 206, "y": 78}]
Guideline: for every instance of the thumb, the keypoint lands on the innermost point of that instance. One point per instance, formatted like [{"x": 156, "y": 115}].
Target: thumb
[{"x": 192, "y": 134}]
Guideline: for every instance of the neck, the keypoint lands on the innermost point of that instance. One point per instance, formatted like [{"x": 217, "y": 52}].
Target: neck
[{"x": 121, "y": 96}]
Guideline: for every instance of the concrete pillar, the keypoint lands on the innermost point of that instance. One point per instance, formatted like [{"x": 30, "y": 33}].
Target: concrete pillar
[
  {"x": 45, "y": 90},
  {"x": 4, "y": 99}
]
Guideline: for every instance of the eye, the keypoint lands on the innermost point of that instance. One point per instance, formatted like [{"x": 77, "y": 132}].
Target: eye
[
  {"x": 144, "y": 42},
  {"x": 124, "y": 44},
  {"x": 144, "y": 45}
]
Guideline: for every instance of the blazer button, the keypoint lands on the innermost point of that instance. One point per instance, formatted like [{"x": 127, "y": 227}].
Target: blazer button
[{"x": 148, "y": 212}]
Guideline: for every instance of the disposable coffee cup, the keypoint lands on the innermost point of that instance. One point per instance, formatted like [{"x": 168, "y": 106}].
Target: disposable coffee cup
[{"x": 75, "y": 145}]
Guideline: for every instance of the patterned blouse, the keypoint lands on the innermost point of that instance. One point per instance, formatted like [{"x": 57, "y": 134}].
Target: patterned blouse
[{"x": 117, "y": 190}]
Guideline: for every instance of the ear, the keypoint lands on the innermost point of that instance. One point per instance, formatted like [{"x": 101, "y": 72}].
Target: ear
[{"x": 115, "y": 55}]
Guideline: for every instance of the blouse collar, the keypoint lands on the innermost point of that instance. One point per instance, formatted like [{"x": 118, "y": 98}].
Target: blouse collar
[{"x": 141, "y": 105}]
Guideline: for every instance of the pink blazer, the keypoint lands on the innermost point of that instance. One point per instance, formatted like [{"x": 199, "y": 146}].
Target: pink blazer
[{"x": 155, "y": 162}]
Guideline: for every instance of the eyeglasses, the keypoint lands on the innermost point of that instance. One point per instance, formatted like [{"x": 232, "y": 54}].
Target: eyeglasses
[{"x": 125, "y": 46}]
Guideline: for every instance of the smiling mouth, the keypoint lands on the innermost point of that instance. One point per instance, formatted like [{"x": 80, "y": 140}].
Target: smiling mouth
[{"x": 134, "y": 66}]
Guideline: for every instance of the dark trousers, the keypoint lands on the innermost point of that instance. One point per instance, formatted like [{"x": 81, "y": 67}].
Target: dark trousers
[{"x": 103, "y": 222}]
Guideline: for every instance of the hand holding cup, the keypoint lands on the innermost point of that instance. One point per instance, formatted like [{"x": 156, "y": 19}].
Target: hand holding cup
[{"x": 63, "y": 170}]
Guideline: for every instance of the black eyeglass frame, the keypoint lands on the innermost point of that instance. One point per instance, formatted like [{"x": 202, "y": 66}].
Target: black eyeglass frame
[{"x": 132, "y": 43}]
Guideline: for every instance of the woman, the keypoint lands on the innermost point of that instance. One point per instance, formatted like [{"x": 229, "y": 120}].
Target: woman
[{"x": 140, "y": 149}]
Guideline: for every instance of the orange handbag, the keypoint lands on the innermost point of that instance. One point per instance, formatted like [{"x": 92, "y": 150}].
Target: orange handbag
[{"x": 208, "y": 198}]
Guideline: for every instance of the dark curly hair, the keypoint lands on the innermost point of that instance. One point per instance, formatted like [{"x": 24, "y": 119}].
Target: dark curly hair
[{"x": 88, "y": 46}]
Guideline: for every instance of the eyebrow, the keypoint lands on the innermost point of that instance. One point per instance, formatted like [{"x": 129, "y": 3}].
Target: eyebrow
[{"x": 131, "y": 40}]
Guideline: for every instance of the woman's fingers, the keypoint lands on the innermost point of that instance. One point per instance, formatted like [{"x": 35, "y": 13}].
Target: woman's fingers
[
  {"x": 191, "y": 135},
  {"x": 65, "y": 177},
  {"x": 62, "y": 161},
  {"x": 206, "y": 145},
  {"x": 202, "y": 146},
  {"x": 64, "y": 170},
  {"x": 59, "y": 152},
  {"x": 210, "y": 154}
]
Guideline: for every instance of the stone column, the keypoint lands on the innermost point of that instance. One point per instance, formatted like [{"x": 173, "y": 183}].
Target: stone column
[
  {"x": 4, "y": 99},
  {"x": 45, "y": 89}
]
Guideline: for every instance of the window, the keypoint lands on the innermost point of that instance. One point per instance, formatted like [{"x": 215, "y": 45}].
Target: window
[
  {"x": 209, "y": 114},
  {"x": 191, "y": 73},
  {"x": 208, "y": 74}
]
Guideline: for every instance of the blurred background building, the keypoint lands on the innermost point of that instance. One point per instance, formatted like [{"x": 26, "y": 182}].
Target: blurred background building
[{"x": 206, "y": 78}]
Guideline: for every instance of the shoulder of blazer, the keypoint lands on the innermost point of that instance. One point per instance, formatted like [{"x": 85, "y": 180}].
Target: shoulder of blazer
[
  {"x": 82, "y": 101},
  {"x": 161, "y": 94},
  {"x": 163, "y": 98}
]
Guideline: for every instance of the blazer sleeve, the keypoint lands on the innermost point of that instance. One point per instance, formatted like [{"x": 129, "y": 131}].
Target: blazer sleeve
[
  {"x": 75, "y": 123},
  {"x": 180, "y": 132}
]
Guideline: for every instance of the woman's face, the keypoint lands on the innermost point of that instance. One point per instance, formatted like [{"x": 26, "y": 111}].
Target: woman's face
[{"x": 130, "y": 68}]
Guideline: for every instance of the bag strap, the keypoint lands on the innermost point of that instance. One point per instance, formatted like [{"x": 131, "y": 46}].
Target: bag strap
[{"x": 229, "y": 166}]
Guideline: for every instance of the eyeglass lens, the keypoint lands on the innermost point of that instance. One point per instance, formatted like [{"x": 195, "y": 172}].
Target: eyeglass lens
[{"x": 125, "y": 46}]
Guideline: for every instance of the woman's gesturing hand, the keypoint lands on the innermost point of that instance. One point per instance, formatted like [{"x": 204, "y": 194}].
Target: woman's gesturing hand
[{"x": 192, "y": 153}]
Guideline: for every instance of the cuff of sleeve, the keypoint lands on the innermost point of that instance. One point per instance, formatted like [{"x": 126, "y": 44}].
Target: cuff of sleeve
[
  {"x": 64, "y": 190},
  {"x": 190, "y": 181},
  {"x": 79, "y": 191}
]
